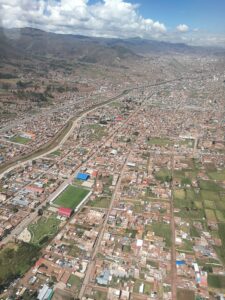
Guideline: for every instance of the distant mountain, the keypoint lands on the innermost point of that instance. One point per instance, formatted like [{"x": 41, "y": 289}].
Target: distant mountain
[{"x": 29, "y": 42}]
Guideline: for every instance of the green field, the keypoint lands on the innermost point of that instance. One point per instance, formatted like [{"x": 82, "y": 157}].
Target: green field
[
  {"x": 163, "y": 175},
  {"x": 188, "y": 142},
  {"x": 147, "y": 287},
  {"x": 210, "y": 215},
  {"x": 160, "y": 141},
  {"x": 20, "y": 140},
  {"x": 216, "y": 281},
  {"x": 74, "y": 280},
  {"x": 56, "y": 153},
  {"x": 71, "y": 197},
  {"x": 209, "y": 186},
  {"x": 162, "y": 230},
  {"x": 209, "y": 195},
  {"x": 15, "y": 260},
  {"x": 102, "y": 202},
  {"x": 179, "y": 194},
  {"x": 220, "y": 215},
  {"x": 43, "y": 229},
  {"x": 217, "y": 175},
  {"x": 99, "y": 295},
  {"x": 97, "y": 131},
  {"x": 220, "y": 250},
  {"x": 209, "y": 204}
]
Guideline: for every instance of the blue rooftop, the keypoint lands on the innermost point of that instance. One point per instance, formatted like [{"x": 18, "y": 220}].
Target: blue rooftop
[{"x": 82, "y": 176}]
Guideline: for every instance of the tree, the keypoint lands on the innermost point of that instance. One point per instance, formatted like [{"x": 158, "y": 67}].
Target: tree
[
  {"x": 15, "y": 210},
  {"x": 40, "y": 212}
]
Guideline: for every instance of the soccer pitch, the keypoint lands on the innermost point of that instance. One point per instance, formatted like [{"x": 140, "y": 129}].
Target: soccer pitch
[{"x": 71, "y": 197}]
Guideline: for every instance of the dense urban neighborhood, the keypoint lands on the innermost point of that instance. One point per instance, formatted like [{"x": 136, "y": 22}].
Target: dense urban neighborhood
[{"x": 115, "y": 189}]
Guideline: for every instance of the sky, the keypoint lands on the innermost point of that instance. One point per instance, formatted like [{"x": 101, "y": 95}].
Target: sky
[{"x": 196, "y": 22}]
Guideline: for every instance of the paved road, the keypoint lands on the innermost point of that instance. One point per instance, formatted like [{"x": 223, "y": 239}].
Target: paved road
[{"x": 91, "y": 265}]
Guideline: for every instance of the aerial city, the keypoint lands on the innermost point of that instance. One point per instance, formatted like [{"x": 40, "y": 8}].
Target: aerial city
[{"x": 112, "y": 150}]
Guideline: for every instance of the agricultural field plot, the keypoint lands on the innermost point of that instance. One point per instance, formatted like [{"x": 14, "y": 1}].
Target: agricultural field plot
[
  {"x": 209, "y": 204},
  {"x": 185, "y": 294},
  {"x": 220, "y": 250},
  {"x": 217, "y": 175},
  {"x": 20, "y": 140},
  {"x": 180, "y": 194},
  {"x": 71, "y": 197},
  {"x": 43, "y": 229},
  {"x": 220, "y": 215},
  {"x": 209, "y": 186},
  {"x": 210, "y": 215},
  {"x": 209, "y": 195}
]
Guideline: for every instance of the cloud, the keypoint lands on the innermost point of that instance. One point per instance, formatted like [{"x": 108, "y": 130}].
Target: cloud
[
  {"x": 182, "y": 28},
  {"x": 107, "y": 18}
]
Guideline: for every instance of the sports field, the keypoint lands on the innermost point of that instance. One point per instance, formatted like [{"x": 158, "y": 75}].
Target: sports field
[
  {"x": 71, "y": 197},
  {"x": 20, "y": 140}
]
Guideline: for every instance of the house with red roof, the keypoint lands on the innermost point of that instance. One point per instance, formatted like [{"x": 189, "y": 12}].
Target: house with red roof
[{"x": 65, "y": 212}]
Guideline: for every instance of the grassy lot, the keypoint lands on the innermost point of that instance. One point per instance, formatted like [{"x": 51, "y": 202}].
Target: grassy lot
[
  {"x": 15, "y": 260},
  {"x": 185, "y": 294},
  {"x": 188, "y": 142},
  {"x": 163, "y": 175},
  {"x": 194, "y": 232},
  {"x": 163, "y": 230},
  {"x": 160, "y": 141},
  {"x": 115, "y": 104},
  {"x": 216, "y": 281},
  {"x": 43, "y": 229},
  {"x": 74, "y": 281},
  {"x": 56, "y": 153},
  {"x": 99, "y": 295},
  {"x": 147, "y": 287},
  {"x": 102, "y": 202},
  {"x": 71, "y": 197},
  {"x": 97, "y": 131},
  {"x": 186, "y": 246},
  {"x": 20, "y": 140}
]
